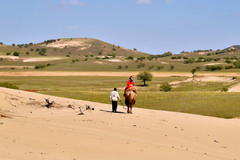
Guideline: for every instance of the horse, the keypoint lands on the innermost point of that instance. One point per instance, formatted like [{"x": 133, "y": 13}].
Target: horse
[{"x": 130, "y": 98}]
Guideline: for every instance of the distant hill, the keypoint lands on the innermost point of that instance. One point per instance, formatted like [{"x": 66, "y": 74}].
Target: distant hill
[{"x": 86, "y": 54}]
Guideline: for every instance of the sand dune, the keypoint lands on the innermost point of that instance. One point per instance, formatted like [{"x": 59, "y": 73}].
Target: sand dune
[{"x": 59, "y": 133}]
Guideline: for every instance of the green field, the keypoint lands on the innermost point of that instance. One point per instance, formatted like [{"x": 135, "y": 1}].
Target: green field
[{"x": 204, "y": 99}]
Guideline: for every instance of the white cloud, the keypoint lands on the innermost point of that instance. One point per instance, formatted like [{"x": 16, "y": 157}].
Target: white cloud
[
  {"x": 73, "y": 27},
  {"x": 144, "y": 2},
  {"x": 65, "y": 3},
  {"x": 76, "y": 3},
  {"x": 168, "y": 1}
]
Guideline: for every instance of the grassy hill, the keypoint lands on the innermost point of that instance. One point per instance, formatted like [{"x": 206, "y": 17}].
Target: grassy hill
[{"x": 85, "y": 54}]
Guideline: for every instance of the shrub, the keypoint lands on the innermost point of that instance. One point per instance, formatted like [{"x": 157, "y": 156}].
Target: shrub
[
  {"x": 75, "y": 60},
  {"x": 126, "y": 67},
  {"x": 140, "y": 65},
  {"x": 100, "y": 52},
  {"x": 224, "y": 89},
  {"x": 16, "y": 53},
  {"x": 140, "y": 58},
  {"x": 192, "y": 60},
  {"x": 228, "y": 67},
  {"x": 159, "y": 68},
  {"x": 112, "y": 55},
  {"x": 129, "y": 58},
  {"x": 172, "y": 67},
  {"x": 237, "y": 64},
  {"x": 8, "y": 85},
  {"x": 106, "y": 57},
  {"x": 228, "y": 61},
  {"x": 151, "y": 67},
  {"x": 119, "y": 67},
  {"x": 165, "y": 87},
  {"x": 8, "y": 53},
  {"x": 40, "y": 66},
  {"x": 213, "y": 68}
]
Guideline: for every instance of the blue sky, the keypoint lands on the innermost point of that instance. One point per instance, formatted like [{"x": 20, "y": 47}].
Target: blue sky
[{"x": 152, "y": 26}]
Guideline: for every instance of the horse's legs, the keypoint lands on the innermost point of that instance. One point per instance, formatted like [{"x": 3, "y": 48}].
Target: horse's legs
[
  {"x": 130, "y": 105},
  {"x": 128, "y": 109}
]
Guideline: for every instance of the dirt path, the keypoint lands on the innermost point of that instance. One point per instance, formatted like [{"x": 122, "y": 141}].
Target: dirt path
[
  {"x": 36, "y": 132},
  {"x": 116, "y": 74},
  {"x": 234, "y": 88},
  {"x": 204, "y": 79}
]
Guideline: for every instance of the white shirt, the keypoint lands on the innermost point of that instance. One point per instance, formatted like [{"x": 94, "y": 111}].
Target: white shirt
[{"x": 114, "y": 96}]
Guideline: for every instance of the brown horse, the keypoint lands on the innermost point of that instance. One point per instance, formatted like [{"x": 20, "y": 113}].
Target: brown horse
[{"x": 130, "y": 98}]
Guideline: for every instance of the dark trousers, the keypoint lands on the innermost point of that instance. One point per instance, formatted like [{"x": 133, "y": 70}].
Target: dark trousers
[{"x": 114, "y": 106}]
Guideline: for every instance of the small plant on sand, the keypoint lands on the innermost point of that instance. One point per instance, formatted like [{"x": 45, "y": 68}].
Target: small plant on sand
[
  {"x": 165, "y": 87},
  {"x": 224, "y": 89}
]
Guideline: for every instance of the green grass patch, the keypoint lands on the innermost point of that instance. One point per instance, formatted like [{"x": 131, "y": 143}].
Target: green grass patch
[{"x": 203, "y": 99}]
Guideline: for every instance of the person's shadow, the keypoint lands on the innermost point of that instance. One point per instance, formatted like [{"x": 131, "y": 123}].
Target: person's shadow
[{"x": 112, "y": 112}]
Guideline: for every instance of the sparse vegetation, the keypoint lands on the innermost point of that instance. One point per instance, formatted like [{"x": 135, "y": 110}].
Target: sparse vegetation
[
  {"x": 165, "y": 87},
  {"x": 8, "y": 85}
]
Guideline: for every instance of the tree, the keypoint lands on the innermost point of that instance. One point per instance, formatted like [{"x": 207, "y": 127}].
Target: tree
[
  {"x": 193, "y": 71},
  {"x": 144, "y": 76}
]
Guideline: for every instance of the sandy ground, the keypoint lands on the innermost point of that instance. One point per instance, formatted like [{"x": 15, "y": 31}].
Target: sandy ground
[
  {"x": 204, "y": 79},
  {"x": 234, "y": 88},
  {"x": 211, "y": 64},
  {"x": 59, "y": 133},
  {"x": 42, "y": 59},
  {"x": 117, "y": 74}
]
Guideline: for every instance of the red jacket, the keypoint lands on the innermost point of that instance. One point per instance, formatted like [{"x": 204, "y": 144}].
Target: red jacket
[{"x": 130, "y": 84}]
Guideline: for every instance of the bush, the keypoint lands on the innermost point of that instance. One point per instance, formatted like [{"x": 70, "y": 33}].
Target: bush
[
  {"x": 126, "y": 67},
  {"x": 151, "y": 67},
  {"x": 129, "y": 58},
  {"x": 228, "y": 61},
  {"x": 113, "y": 55},
  {"x": 75, "y": 60},
  {"x": 172, "y": 67},
  {"x": 165, "y": 87},
  {"x": 16, "y": 53},
  {"x": 224, "y": 89},
  {"x": 213, "y": 68},
  {"x": 141, "y": 58},
  {"x": 228, "y": 66},
  {"x": 8, "y": 53},
  {"x": 8, "y": 85},
  {"x": 159, "y": 68},
  {"x": 119, "y": 67},
  {"x": 237, "y": 64},
  {"x": 140, "y": 65},
  {"x": 40, "y": 66},
  {"x": 192, "y": 60}
]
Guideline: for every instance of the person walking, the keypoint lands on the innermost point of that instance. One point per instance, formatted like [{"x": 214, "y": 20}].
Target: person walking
[{"x": 114, "y": 96}]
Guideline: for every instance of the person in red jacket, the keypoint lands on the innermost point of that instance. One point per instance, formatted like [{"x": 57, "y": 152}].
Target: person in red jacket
[{"x": 130, "y": 83}]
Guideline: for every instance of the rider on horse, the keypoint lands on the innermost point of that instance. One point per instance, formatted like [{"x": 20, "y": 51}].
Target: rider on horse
[{"x": 130, "y": 83}]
